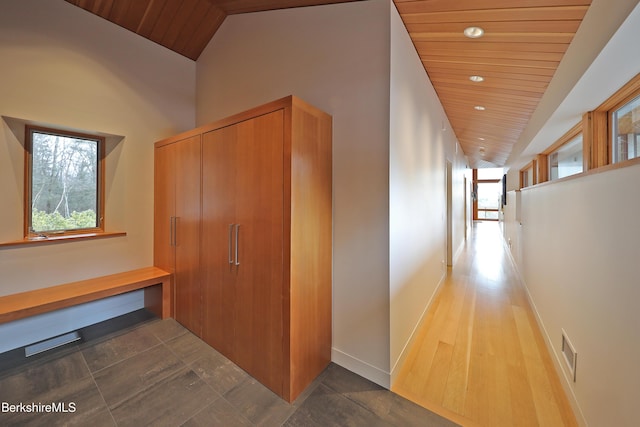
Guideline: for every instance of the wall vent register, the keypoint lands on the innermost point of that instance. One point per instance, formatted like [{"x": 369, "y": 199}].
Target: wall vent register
[
  {"x": 570, "y": 355},
  {"x": 51, "y": 343}
]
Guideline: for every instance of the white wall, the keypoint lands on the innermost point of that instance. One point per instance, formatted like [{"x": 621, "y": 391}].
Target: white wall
[
  {"x": 337, "y": 58},
  {"x": 419, "y": 149},
  {"x": 511, "y": 225},
  {"x": 64, "y": 66},
  {"x": 577, "y": 246},
  {"x": 580, "y": 264}
]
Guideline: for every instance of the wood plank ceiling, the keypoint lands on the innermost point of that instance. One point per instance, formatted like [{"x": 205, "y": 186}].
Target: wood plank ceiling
[{"x": 522, "y": 45}]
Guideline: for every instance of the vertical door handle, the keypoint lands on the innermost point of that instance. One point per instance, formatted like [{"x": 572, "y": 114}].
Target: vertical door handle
[
  {"x": 230, "y": 243},
  {"x": 237, "y": 233}
]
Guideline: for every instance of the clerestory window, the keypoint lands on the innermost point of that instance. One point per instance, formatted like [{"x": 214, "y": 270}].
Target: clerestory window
[{"x": 626, "y": 131}]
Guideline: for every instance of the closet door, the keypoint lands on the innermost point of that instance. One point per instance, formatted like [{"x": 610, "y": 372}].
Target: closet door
[
  {"x": 186, "y": 238},
  {"x": 258, "y": 317},
  {"x": 164, "y": 208},
  {"x": 218, "y": 238}
]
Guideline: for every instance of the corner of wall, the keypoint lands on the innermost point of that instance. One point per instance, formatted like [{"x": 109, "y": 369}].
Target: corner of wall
[{"x": 362, "y": 368}]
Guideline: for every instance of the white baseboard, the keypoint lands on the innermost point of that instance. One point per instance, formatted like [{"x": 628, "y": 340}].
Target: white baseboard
[
  {"x": 458, "y": 252},
  {"x": 361, "y": 368}
]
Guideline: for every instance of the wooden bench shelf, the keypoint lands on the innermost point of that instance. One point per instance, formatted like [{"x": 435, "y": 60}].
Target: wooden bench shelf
[{"x": 155, "y": 281}]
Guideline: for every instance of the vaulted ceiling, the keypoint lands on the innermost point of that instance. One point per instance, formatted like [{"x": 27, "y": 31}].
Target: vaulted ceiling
[{"x": 515, "y": 59}]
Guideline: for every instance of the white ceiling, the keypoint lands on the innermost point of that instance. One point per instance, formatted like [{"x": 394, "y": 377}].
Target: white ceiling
[{"x": 604, "y": 55}]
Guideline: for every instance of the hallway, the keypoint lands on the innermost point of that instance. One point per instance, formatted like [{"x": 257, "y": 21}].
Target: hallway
[{"x": 479, "y": 357}]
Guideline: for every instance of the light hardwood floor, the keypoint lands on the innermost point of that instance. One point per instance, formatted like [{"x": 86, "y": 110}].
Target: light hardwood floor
[{"x": 479, "y": 357}]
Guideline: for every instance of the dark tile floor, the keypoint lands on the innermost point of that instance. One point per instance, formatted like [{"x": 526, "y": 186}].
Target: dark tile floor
[{"x": 157, "y": 373}]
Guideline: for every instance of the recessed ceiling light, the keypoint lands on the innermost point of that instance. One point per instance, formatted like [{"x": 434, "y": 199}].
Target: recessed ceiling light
[
  {"x": 473, "y": 32},
  {"x": 479, "y": 108},
  {"x": 481, "y": 139},
  {"x": 476, "y": 79}
]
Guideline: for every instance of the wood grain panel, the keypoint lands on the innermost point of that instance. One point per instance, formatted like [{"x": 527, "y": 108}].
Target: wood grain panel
[
  {"x": 118, "y": 12},
  {"x": 129, "y": 15},
  {"x": 194, "y": 23},
  {"x": 500, "y": 62},
  {"x": 482, "y": 120},
  {"x": 164, "y": 20},
  {"x": 596, "y": 135},
  {"x": 202, "y": 20},
  {"x": 504, "y": 86},
  {"x": 267, "y": 170},
  {"x": 179, "y": 20},
  {"x": 493, "y": 95},
  {"x": 523, "y": 44},
  {"x": 542, "y": 163},
  {"x": 150, "y": 17},
  {"x": 486, "y": 46},
  {"x": 164, "y": 205},
  {"x": 516, "y": 73},
  {"x": 412, "y": 6},
  {"x": 562, "y": 13},
  {"x": 38, "y": 301},
  {"x": 258, "y": 317},
  {"x": 100, "y": 8},
  {"x": 205, "y": 31},
  {"x": 308, "y": 302},
  {"x": 218, "y": 217},
  {"x": 476, "y": 125},
  {"x": 524, "y": 38},
  {"x": 187, "y": 234},
  {"x": 492, "y": 80},
  {"x": 562, "y": 28}
]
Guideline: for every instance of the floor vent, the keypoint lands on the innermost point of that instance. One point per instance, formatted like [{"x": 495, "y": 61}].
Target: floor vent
[
  {"x": 570, "y": 354},
  {"x": 51, "y": 343}
]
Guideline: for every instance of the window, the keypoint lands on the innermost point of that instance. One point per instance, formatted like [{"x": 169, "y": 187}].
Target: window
[
  {"x": 626, "y": 127},
  {"x": 489, "y": 198},
  {"x": 528, "y": 175},
  {"x": 64, "y": 185},
  {"x": 604, "y": 138},
  {"x": 488, "y": 186},
  {"x": 567, "y": 159},
  {"x": 564, "y": 158}
]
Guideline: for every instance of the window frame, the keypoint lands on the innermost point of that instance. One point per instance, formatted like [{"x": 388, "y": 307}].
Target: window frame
[
  {"x": 476, "y": 185},
  {"x": 622, "y": 96},
  {"x": 597, "y": 140},
  {"x": 100, "y": 196},
  {"x": 635, "y": 95},
  {"x": 565, "y": 139},
  {"x": 524, "y": 172}
]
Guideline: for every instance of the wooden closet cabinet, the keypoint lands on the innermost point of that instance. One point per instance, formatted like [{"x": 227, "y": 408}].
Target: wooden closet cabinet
[
  {"x": 265, "y": 242},
  {"x": 177, "y": 224}
]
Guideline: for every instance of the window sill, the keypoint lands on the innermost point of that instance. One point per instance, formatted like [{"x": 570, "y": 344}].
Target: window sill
[
  {"x": 61, "y": 239},
  {"x": 606, "y": 168}
]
